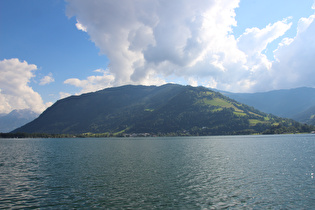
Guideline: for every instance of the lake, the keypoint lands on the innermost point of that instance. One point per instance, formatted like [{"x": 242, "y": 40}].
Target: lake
[{"x": 215, "y": 172}]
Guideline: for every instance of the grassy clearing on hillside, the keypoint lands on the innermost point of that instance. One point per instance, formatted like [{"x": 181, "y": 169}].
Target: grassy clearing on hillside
[
  {"x": 240, "y": 114},
  {"x": 218, "y": 102},
  {"x": 254, "y": 122},
  {"x": 149, "y": 110},
  {"x": 258, "y": 115},
  {"x": 217, "y": 110},
  {"x": 221, "y": 103}
]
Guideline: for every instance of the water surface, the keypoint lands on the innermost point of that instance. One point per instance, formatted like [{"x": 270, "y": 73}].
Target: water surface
[{"x": 167, "y": 173}]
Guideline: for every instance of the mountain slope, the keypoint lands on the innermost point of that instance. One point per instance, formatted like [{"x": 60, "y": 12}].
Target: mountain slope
[
  {"x": 283, "y": 103},
  {"x": 149, "y": 109},
  {"x": 307, "y": 116},
  {"x": 15, "y": 119}
]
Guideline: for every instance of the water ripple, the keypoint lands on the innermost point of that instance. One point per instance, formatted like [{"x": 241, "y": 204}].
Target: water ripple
[{"x": 243, "y": 172}]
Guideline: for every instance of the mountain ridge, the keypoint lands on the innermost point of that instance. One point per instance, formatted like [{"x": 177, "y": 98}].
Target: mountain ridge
[
  {"x": 288, "y": 103},
  {"x": 15, "y": 119},
  {"x": 167, "y": 109}
]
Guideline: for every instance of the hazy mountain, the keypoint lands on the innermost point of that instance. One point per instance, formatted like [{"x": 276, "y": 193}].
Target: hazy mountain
[
  {"x": 167, "y": 109},
  {"x": 284, "y": 103},
  {"x": 307, "y": 116},
  {"x": 15, "y": 119}
]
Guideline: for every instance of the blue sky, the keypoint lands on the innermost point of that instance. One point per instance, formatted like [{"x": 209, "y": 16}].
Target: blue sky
[
  {"x": 40, "y": 33},
  {"x": 53, "y": 49}
]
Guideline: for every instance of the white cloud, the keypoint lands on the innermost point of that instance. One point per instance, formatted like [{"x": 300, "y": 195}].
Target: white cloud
[
  {"x": 192, "y": 82},
  {"x": 47, "y": 79},
  {"x": 80, "y": 27},
  {"x": 148, "y": 41},
  {"x": 64, "y": 95},
  {"x": 151, "y": 42},
  {"x": 255, "y": 40},
  {"x": 294, "y": 65},
  {"x": 92, "y": 83},
  {"x": 15, "y": 90}
]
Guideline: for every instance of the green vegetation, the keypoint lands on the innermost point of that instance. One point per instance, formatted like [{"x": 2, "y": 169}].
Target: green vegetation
[
  {"x": 240, "y": 114},
  {"x": 254, "y": 122},
  {"x": 149, "y": 110},
  {"x": 297, "y": 104},
  {"x": 308, "y": 116},
  {"x": 171, "y": 110}
]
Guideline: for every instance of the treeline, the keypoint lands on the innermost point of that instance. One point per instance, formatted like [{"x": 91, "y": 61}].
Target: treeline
[
  {"x": 195, "y": 131},
  {"x": 35, "y": 135},
  {"x": 294, "y": 128}
]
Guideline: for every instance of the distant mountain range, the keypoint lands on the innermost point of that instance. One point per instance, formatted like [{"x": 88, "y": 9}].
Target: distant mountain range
[
  {"x": 15, "y": 119},
  {"x": 165, "y": 110},
  {"x": 297, "y": 104}
]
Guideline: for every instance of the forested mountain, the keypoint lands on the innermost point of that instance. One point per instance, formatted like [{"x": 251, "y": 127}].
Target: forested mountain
[
  {"x": 307, "y": 116},
  {"x": 15, "y": 119},
  {"x": 291, "y": 103},
  {"x": 165, "y": 110}
]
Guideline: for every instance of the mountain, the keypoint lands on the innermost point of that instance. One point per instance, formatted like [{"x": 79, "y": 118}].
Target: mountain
[
  {"x": 15, "y": 119},
  {"x": 307, "y": 116},
  {"x": 167, "y": 110},
  {"x": 284, "y": 103}
]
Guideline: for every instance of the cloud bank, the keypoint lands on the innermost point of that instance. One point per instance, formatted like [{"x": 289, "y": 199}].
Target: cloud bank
[
  {"x": 158, "y": 41},
  {"x": 15, "y": 92}
]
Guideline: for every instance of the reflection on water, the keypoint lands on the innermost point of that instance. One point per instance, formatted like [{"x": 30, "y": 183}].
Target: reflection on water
[{"x": 182, "y": 172}]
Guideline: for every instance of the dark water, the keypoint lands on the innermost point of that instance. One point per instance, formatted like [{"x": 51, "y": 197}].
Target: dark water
[{"x": 238, "y": 172}]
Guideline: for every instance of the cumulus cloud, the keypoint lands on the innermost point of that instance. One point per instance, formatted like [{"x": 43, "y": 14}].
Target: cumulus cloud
[
  {"x": 47, "y": 79},
  {"x": 15, "y": 92},
  {"x": 153, "y": 42},
  {"x": 255, "y": 40},
  {"x": 92, "y": 83},
  {"x": 294, "y": 65},
  {"x": 146, "y": 42}
]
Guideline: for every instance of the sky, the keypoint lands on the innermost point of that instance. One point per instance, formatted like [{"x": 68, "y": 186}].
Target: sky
[{"x": 53, "y": 49}]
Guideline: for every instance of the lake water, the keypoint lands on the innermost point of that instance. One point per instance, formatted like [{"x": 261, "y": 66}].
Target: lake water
[{"x": 166, "y": 173}]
